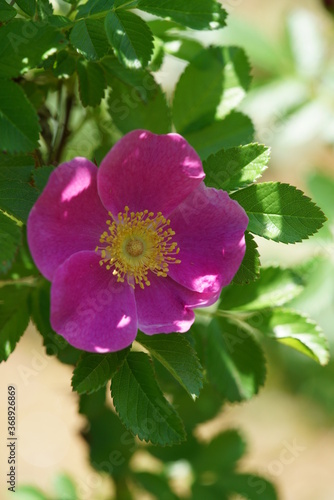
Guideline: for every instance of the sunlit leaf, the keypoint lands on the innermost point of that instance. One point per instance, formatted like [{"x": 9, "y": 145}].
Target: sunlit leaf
[
  {"x": 279, "y": 212},
  {"x": 89, "y": 38},
  {"x": 195, "y": 14},
  {"x": 234, "y": 130},
  {"x": 275, "y": 287},
  {"x": 198, "y": 92},
  {"x": 130, "y": 37},
  {"x": 237, "y": 167},
  {"x": 294, "y": 330}
]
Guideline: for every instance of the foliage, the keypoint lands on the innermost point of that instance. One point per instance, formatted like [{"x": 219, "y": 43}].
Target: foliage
[
  {"x": 71, "y": 83},
  {"x": 291, "y": 101}
]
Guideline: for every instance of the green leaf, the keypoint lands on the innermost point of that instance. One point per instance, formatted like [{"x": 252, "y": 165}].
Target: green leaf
[
  {"x": 59, "y": 22},
  {"x": 221, "y": 454},
  {"x": 129, "y": 112},
  {"x": 22, "y": 266},
  {"x": 140, "y": 80},
  {"x": 25, "y": 44},
  {"x": 14, "y": 317},
  {"x": 110, "y": 444},
  {"x": 89, "y": 38},
  {"x": 7, "y": 12},
  {"x": 321, "y": 187},
  {"x": 28, "y": 6},
  {"x": 208, "y": 491},
  {"x": 35, "y": 93},
  {"x": 249, "y": 486},
  {"x": 29, "y": 493},
  {"x": 158, "y": 55},
  {"x": 237, "y": 167},
  {"x": 235, "y": 362},
  {"x": 125, "y": 4},
  {"x": 279, "y": 212},
  {"x": 92, "y": 404},
  {"x": 19, "y": 127},
  {"x": 130, "y": 37},
  {"x": 237, "y": 79},
  {"x": 250, "y": 267},
  {"x": 234, "y": 130},
  {"x": 162, "y": 28},
  {"x": 93, "y": 371},
  {"x": 196, "y": 14},
  {"x": 187, "y": 50},
  {"x": 41, "y": 176},
  {"x": 10, "y": 239},
  {"x": 198, "y": 92},
  {"x": 176, "y": 354},
  {"x": 92, "y": 83},
  {"x": 275, "y": 287},
  {"x": 142, "y": 406},
  {"x": 294, "y": 330},
  {"x": 55, "y": 345},
  {"x": 65, "y": 488},
  {"x": 156, "y": 484},
  {"x": 17, "y": 196},
  {"x": 64, "y": 65},
  {"x": 94, "y": 7},
  {"x": 44, "y": 9}
]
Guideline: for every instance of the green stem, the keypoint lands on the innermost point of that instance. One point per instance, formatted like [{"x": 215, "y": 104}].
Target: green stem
[
  {"x": 237, "y": 317},
  {"x": 132, "y": 3}
]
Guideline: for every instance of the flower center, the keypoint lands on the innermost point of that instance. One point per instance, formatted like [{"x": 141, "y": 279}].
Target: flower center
[
  {"x": 134, "y": 247},
  {"x": 136, "y": 243}
]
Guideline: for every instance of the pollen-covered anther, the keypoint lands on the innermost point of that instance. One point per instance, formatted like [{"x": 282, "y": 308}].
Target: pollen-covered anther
[{"x": 136, "y": 243}]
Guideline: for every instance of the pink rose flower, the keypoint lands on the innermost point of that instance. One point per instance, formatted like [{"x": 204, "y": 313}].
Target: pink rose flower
[{"x": 137, "y": 243}]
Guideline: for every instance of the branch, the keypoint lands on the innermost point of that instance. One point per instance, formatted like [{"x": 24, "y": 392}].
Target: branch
[{"x": 56, "y": 157}]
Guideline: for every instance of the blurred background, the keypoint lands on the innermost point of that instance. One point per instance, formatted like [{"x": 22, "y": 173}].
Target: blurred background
[{"x": 290, "y": 45}]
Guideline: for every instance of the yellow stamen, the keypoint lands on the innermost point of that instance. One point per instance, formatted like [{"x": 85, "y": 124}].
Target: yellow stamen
[{"x": 137, "y": 243}]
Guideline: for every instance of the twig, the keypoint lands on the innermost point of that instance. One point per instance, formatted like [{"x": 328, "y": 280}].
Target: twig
[{"x": 65, "y": 130}]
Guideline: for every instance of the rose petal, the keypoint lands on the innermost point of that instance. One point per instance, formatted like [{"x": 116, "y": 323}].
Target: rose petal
[
  {"x": 89, "y": 308},
  {"x": 68, "y": 216},
  {"x": 165, "y": 306},
  {"x": 209, "y": 229},
  {"x": 148, "y": 171}
]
